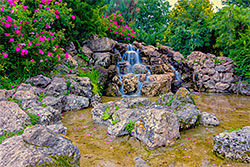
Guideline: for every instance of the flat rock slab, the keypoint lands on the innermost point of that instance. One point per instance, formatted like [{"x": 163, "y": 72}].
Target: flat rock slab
[
  {"x": 234, "y": 145},
  {"x": 39, "y": 146}
]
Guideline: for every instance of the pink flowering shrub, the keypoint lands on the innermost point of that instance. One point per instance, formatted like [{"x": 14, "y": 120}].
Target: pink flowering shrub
[
  {"x": 30, "y": 41},
  {"x": 119, "y": 29}
]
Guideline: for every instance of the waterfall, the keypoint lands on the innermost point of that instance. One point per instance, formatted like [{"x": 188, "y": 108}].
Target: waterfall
[
  {"x": 131, "y": 64},
  {"x": 177, "y": 74}
]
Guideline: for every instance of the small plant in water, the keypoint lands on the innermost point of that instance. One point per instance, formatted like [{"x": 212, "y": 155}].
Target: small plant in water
[
  {"x": 130, "y": 126},
  {"x": 106, "y": 114}
]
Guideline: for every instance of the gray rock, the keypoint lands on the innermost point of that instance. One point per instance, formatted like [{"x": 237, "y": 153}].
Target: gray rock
[
  {"x": 30, "y": 103},
  {"x": 58, "y": 128},
  {"x": 139, "y": 162},
  {"x": 3, "y": 95},
  {"x": 101, "y": 45},
  {"x": 40, "y": 81},
  {"x": 243, "y": 88},
  {"x": 80, "y": 86},
  {"x": 157, "y": 128},
  {"x": 57, "y": 87},
  {"x": 130, "y": 83},
  {"x": 48, "y": 115},
  {"x": 39, "y": 146},
  {"x": 208, "y": 119},
  {"x": 140, "y": 69},
  {"x": 102, "y": 59},
  {"x": 12, "y": 118},
  {"x": 10, "y": 93},
  {"x": 73, "y": 102},
  {"x": 118, "y": 129},
  {"x": 96, "y": 99},
  {"x": 234, "y": 145},
  {"x": 221, "y": 86},
  {"x": 56, "y": 103}
]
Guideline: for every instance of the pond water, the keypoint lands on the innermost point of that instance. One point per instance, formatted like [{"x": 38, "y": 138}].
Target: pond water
[{"x": 193, "y": 149}]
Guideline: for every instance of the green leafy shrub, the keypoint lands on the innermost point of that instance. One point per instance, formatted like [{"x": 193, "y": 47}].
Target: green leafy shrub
[
  {"x": 88, "y": 19},
  {"x": 130, "y": 126},
  {"x": 117, "y": 107},
  {"x": 34, "y": 119},
  {"x": 30, "y": 45},
  {"x": 106, "y": 114},
  {"x": 119, "y": 29},
  {"x": 93, "y": 75}
]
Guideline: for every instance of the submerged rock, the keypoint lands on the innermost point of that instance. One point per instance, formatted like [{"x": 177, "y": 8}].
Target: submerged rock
[
  {"x": 208, "y": 119},
  {"x": 234, "y": 145},
  {"x": 39, "y": 146}
]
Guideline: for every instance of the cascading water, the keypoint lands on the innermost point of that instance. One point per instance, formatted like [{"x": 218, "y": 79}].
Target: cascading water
[
  {"x": 177, "y": 74},
  {"x": 130, "y": 67}
]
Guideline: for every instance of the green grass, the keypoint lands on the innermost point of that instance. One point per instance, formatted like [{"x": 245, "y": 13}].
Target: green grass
[
  {"x": 228, "y": 131},
  {"x": 34, "y": 119},
  {"x": 130, "y": 126}
]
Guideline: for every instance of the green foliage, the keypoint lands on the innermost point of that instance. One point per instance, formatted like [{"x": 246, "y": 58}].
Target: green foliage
[
  {"x": 114, "y": 118},
  {"x": 228, "y": 131},
  {"x": 93, "y": 75},
  {"x": 240, "y": 3},
  {"x": 119, "y": 29},
  {"x": 106, "y": 114},
  {"x": 117, "y": 107},
  {"x": 240, "y": 53},
  {"x": 42, "y": 95},
  {"x": 151, "y": 29},
  {"x": 30, "y": 41},
  {"x": 130, "y": 126},
  {"x": 170, "y": 101},
  {"x": 11, "y": 134},
  {"x": 188, "y": 27},
  {"x": 88, "y": 19},
  {"x": 128, "y": 8},
  {"x": 34, "y": 119}
]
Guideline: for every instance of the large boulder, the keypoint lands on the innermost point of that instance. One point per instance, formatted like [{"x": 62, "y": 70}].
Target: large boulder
[
  {"x": 12, "y": 118},
  {"x": 48, "y": 115},
  {"x": 130, "y": 83},
  {"x": 101, "y": 45},
  {"x": 40, "y": 81},
  {"x": 39, "y": 146},
  {"x": 183, "y": 105},
  {"x": 54, "y": 102},
  {"x": 157, "y": 84},
  {"x": 234, "y": 145},
  {"x": 58, "y": 128},
  {"x": 73, "y": 102},
  {"x": 102, "y": 59},
  {"x": 80, "y": 86},
  {"x": 57, "y": 87},
  {"x": 26, "y": 92},
  {"x": 157, "y": 128}
]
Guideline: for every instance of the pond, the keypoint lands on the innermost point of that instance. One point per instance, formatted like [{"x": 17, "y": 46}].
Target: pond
[{"x": 193, "y": 149}]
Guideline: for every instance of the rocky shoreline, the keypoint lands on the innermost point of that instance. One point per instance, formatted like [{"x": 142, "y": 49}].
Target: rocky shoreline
[{"x": 30, "y": 115}]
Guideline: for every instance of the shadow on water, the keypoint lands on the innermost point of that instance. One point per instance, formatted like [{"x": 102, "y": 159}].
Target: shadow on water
[{"x": 193, "y": 149}]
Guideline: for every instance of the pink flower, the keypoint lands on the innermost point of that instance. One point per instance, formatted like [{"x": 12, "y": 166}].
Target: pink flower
[
  {"x": 128, "y": 38},
  {"x": 50, "y": 54},
  {"x": 111, "y": 20},
  {"x": 40, "y": 6},
  {"x": 25, "y": 7},
  {"x": 24, "y": 51},
  {"x": 5, "y": 54},
  {"x": 6, "y": 34},
  {"x": 17, "y": 49},
  {"x": 41, "y": 52},
  {"x": 41, "y": 61},
  {"x": 32, "y": 59},
  {"x": 57, "y": 17},
  {"x": 14, "y": 26},
  {"x": 69, "y": 70},
  {"x": 7, "y": 25},
  {"x": 9, "y": 18},
  {"x": 115, "y": 23},
  {"x": 18, "y": 31},
  {"x": 29, "y": 43},
  {"x": 73, "y": 17},
  {"x": 34, "y": 20},
  {"x": 38, "y": 44},
  {"x": 66, "y": 55},
  {"x": 11, "y": 39},
  {"x": 2, "y": 10},
  {"x": 111, "y": 24},
  {"x": 41, "y": 39},
  {"x": 36, "y": 10}
]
